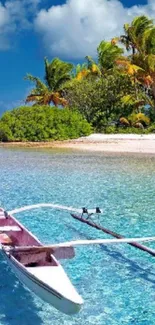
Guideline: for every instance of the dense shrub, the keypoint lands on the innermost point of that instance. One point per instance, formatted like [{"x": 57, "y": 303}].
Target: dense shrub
[
  {"x": 110, "y": 129},
  {"x": 126, "y": 130},
  {"x": 5, "y": 132},
  {"x": 42, "y": 123},
  {"x": 151, "y": 129}
]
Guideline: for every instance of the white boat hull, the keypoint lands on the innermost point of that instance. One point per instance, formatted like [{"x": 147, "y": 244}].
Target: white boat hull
[{"x": 68, "y": 304}]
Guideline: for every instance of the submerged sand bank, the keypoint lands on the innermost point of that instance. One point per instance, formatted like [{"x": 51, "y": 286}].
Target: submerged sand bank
[{"x": 127, "y": 143}]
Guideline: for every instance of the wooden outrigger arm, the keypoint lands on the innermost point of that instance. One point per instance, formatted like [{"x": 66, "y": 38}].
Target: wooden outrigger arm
[
  {"x": 113, "y": 234},
  {"x": 51, "y": 248}
]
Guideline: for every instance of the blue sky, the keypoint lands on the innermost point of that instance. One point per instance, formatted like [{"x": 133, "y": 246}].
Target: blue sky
[{"x": 33, "y": 29}]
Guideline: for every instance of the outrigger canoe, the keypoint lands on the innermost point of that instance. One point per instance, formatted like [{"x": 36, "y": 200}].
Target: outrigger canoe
[
  {"x": 39, "y": 271},
  {"x": 37, "y": 265}
]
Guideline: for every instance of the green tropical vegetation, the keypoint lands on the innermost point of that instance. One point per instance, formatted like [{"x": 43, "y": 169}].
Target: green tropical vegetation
[
  {"x": 114, "y": 93},
  {"x": 42, "y": 123}
]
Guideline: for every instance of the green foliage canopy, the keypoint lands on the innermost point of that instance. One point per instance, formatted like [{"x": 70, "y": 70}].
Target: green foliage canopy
[
  {"x": 42, "y": 123},
  {"x": 100, "y": 102}
]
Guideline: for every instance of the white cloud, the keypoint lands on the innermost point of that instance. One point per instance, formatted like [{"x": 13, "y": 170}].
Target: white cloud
[
  {"x": 15, "y": 15},
  {"x": 74, "y": 30}
]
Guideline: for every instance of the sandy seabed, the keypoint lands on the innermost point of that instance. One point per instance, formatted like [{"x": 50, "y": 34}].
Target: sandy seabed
[{"x": 127, "y": 143}]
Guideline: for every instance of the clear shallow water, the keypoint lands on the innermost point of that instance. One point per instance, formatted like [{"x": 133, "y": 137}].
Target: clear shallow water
[{"x": 117, "y": 283}]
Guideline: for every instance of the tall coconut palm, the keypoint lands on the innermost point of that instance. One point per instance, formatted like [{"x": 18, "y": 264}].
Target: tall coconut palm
[
  {"x": 146, "y": 60},
  {"x": 43, "y": 95},
  {"x": 135, "y": 34},
  {"x": 140, "y": 38},
  {"x": 57, "y": 73},
  {"x": 108, "y": 53}
]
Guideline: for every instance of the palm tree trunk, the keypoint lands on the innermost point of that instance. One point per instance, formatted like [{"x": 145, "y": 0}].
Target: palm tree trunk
[{"x": 133, "y": 51}]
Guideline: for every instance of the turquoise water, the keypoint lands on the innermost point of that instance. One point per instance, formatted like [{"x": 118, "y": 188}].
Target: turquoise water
[{"x": 116, "y": 282}]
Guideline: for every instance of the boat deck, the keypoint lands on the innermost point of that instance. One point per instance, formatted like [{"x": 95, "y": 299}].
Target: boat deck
[{"x": 13, "y": 234}]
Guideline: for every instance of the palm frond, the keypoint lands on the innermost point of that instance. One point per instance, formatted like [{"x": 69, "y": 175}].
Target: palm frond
[
  {"x": 32, "y": 98},
  {"x": 141, "y": 24},
  {"x": 57, "y": 72},
  {"x": 149, "y": 39},
  {"x": 108, "y": 54},
  {"x": 39, "y": 83}
]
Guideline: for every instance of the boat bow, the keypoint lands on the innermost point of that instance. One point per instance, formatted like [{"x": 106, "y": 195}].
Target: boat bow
[{"x": 56, "y": 280}]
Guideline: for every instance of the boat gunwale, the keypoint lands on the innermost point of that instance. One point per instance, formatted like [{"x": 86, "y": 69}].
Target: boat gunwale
[{"x": 23, "y": 228}]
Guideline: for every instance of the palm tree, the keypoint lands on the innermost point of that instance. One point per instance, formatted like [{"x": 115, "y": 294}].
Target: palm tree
[
  {"x": 140, "y": 38},
  {"x": 146, "y": 60},
  {"x": 57, "y": 73},
  {"x": 108, "y": 53},
  {"x": 136, "y": 34},
  {"x": 42, "y": 95}
]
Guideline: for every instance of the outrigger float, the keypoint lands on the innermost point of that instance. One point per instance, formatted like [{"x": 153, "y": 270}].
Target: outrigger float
[{"x": 37, "y": 266}]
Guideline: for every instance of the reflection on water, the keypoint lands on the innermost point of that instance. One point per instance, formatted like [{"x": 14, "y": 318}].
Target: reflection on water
[{"x": 117, "y": 283}]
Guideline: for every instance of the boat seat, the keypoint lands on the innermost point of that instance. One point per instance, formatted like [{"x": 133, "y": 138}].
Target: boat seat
[
  {"x": 29, "y": 259},
  {"x": 5, "y": 239},
  {"x": 9, "y": 228}
]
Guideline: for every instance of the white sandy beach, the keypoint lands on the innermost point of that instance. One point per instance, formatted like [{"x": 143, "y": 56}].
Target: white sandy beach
[{"x": 127, "y": 143}]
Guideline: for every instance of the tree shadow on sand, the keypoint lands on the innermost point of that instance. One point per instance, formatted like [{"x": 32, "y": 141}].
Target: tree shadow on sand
[{"x": 17, "y": 305}]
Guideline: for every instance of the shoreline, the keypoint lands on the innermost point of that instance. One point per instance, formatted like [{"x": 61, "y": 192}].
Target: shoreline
[{"x": 120, "y": 143}]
